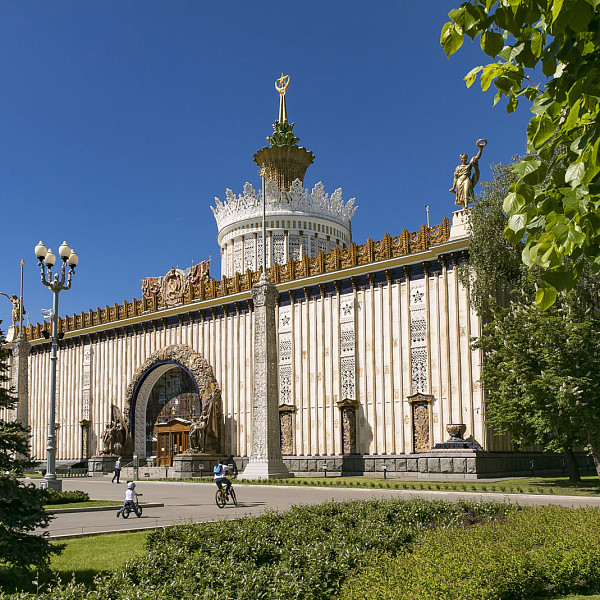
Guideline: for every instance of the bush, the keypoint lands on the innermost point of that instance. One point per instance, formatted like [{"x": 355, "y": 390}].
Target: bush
[
  {"x": 305, "y": 553},
  {"x": 534, "y": 553},
  {"x": 55, "y": 497}
]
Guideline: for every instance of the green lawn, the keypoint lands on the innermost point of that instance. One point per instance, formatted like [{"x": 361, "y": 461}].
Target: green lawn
[
  {"x": 589, "y": 485},
  {"x": 83, "y": 558}
]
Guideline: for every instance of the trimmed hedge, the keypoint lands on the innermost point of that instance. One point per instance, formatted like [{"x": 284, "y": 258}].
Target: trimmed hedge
[
  {"x": 304, "y": 553},
  {"x": 54, "y": 497},
  {"x": 537, "y": 553}
]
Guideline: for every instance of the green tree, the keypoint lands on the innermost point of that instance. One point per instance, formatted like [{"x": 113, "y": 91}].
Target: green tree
[
  {"x": 21, "y": 505},
  {"x": 557, "y": 41},
  {"x": 541, "y": 374}
]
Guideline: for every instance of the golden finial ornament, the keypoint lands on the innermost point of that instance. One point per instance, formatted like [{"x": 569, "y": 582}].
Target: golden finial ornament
[{"x": 281, "y": 85}]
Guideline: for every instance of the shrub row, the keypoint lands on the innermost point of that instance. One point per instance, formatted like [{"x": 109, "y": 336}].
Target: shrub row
[
  {"x": 539, "y": 552},
  {"x": 55, "y": 497},
  {"x": 304, "y": 553}
]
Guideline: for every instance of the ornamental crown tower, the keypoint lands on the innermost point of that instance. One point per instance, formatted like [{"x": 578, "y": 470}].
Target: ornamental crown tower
[{"x": 298, "y": 222}]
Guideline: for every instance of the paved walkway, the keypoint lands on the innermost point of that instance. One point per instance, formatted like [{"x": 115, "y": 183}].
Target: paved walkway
[{"x": 195, "y": 502}]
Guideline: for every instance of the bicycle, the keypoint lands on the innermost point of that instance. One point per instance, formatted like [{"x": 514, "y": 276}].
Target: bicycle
[
  {"x": 132, "y": 506},
  {"x": 222, "y": 497}
]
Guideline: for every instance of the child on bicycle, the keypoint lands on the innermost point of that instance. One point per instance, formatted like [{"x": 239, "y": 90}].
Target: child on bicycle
[
  {"x": 220, "y": 471},
  {"x": 130, "y": 495}
]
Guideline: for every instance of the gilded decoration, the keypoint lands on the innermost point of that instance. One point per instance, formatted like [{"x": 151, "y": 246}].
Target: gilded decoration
[
  {"x": 348, "y": 409},
  {"x": 286, "y": 428},
  {"x": 173, "y": 287},
  {"x": 420, "y": 418},
  {"x": 208, "y": 288}
]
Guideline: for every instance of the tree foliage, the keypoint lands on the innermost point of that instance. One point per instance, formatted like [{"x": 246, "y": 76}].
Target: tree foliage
[
  {"x": 21, "y": 505},
  {"x": 559, "y": 42},
  {"x": 542, "y": 375}
]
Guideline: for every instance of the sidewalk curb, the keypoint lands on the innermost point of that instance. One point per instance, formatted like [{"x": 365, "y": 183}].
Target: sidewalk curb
[{"x": 84, "y": 509}]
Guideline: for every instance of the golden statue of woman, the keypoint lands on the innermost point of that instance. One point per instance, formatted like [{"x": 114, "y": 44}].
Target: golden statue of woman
[{"x": 463, "y": 181}]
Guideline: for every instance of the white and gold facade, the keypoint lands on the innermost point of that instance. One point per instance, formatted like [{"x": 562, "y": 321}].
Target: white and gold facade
[{"x": 373, "y": 341}]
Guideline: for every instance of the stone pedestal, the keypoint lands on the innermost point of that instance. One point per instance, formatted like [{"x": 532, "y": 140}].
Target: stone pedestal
[
  {"x": 99, "y": 465},
  {"x": 460, "y": 224},
  {"x": 20, "y": 348},
  {"x": 265, "y": 460},
  {"x": 187, "y": 466}
]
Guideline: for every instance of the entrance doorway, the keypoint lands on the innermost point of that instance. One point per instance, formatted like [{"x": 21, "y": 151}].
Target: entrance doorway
[
  {"x": 172, "y": 439},
  {"x": 173, "y": 403}
]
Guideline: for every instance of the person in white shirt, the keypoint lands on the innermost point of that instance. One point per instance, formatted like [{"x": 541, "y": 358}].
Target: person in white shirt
[
  {"x": 220, "y": 471},
  {"x": 130, "y": 495},
  {"x": 117, "y": 474}
]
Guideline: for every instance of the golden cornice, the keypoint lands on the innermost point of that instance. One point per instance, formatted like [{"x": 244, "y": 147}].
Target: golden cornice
[{"x": 210, "y": 293}]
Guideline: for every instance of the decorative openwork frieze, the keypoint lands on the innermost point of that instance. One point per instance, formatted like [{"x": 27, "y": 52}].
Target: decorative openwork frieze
[
  {"x": 315, "y": 203},
  {"x": 203, "y": 287},
  {"x": 418, "y": 336}
]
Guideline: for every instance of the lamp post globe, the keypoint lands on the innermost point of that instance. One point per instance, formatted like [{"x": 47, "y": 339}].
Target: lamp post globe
[{"x": 56, "y": 282}]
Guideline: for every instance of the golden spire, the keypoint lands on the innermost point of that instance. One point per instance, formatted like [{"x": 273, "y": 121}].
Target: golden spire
[
  {"x": 281, "y": 86},
  {"x": 284, "y": 161}
]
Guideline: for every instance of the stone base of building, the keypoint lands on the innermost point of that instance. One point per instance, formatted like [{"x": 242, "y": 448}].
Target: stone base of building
[
  {"x": 440, "y": 465},
  {"x": 99, "y": 465},
  {"x": 265, "y": 469},
  {"x": 187, "y": 466}
]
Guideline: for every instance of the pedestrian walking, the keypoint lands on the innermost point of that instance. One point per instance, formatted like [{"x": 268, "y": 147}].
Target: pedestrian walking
[{"x": 117, "y": 474}]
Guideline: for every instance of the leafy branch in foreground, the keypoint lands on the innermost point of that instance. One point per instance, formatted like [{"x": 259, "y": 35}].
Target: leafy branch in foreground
[{"x": 558, "y": 40}]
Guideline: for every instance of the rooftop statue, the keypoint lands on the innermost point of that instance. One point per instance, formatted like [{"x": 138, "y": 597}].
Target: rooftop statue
[
  {"x": 16, "y": 310},
  {"x": 463, "y": 181}
]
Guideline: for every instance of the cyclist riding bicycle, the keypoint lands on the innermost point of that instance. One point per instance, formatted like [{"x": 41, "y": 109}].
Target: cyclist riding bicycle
[
  {"x": 130, "y": 495},
  {"x": 220, "y": 471}
]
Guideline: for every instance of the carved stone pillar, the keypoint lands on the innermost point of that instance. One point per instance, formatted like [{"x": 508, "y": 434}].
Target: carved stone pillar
[
  {"x": 421, "y": 421},
  {"x": 286, "y": 428},
  {"x": 85, "y": 438},
  {"x": 265, "y": 459},
  {"x": 348, "y": 420},
  {"x": 20, "y": 349}
]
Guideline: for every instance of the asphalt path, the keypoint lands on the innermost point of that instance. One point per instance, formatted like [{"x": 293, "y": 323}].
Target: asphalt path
[{"x": 195, "y": 502}]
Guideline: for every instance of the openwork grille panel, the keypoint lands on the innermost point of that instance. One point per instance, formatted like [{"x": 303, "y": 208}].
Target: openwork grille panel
[
  {"x": 285, "y": 347},
  {"x": 321, "y": 245},
  {"x": 418, "y": 328},
  {"x": 347, "y": 338},
  {"x": 348, "y": 377},
  {"x": 279, "y": 248},
  {"x": 237, "y": 257},
  {"x": 419, "y": 369},
  {"x": 285, "y": 384},
  {"x": 249, "y": 262},
  {"x": 294, "y": 246}
]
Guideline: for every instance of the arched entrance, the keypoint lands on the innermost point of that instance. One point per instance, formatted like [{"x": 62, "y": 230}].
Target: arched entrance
[{"x": 169, "y": 386}]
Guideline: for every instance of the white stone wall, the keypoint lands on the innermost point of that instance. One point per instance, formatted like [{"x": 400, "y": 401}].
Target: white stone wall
[{"x": 334, "y": 344}]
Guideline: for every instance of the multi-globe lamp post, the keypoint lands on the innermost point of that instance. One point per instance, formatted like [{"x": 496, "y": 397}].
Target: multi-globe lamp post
[{"x": 56, "y": 283}]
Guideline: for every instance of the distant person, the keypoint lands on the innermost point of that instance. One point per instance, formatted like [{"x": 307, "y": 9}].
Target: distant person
[
  {"x": 220, "y": 471},
  {"x": 117, "y": 474},
  {"x": 130, "y": 495}
]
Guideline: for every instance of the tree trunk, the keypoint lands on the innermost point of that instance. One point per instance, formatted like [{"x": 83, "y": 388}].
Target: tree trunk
[
  {"x": 594, "y": 450},
  {"x": 572, "y": 467}
]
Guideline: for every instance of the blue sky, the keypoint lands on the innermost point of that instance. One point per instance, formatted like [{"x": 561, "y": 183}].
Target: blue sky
[{"x": 121, "y": 121}]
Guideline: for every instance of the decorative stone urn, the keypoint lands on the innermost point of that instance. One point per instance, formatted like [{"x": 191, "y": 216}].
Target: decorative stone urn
[{"x": 456, "y": 431}]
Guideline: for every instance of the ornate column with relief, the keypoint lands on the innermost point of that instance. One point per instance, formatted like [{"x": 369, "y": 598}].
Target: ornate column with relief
[
  {"x": 265, "y": 459},
  {"x": 20, "y": 349}
]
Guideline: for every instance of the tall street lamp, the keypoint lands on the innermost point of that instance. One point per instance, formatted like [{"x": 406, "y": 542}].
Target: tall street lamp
[{"x": 56, "y": 283}]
